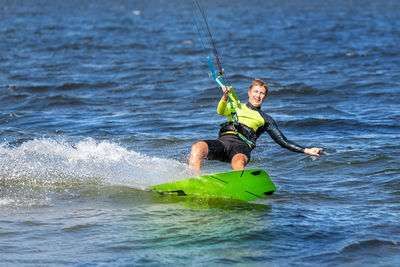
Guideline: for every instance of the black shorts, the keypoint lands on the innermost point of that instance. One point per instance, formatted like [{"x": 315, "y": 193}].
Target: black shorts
[{"x": 227, "y": 146}]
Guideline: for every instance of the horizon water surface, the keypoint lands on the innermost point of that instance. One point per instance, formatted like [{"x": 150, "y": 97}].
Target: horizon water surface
[{"x": 101, "y": 99}]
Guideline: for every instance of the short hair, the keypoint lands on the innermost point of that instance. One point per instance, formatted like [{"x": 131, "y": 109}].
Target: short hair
[{"x": 261, "y": 83}]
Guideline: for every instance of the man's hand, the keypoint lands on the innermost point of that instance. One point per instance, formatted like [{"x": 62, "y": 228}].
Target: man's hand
[
  {"x": 314, "y": 151},
  {"x": 226, "y": 89}
]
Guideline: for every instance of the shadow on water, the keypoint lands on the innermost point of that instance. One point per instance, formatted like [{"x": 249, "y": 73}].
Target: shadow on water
[{"x": 193, "y": 203}]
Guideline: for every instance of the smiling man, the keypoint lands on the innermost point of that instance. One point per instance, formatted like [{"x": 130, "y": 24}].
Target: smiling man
[{"x": 237, "y": 139}]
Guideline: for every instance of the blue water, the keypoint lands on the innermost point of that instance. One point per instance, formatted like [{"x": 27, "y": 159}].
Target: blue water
[{"x": 101, "y": 99}]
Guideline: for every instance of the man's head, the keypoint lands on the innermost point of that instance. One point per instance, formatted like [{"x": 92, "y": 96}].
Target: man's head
[{"x": 258, "y": 92}]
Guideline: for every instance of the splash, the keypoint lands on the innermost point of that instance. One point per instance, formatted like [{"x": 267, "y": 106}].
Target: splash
[{"x": 49, "y": 161}]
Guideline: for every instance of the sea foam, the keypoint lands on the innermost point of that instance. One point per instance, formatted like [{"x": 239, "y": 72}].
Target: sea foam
[{"x": 54, "y": 161}]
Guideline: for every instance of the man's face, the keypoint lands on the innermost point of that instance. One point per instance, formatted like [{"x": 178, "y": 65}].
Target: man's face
[{"x": 257, "y": 95}]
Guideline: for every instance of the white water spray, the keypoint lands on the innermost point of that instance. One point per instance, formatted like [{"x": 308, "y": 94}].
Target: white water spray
[{"x": 53, "y": 161}]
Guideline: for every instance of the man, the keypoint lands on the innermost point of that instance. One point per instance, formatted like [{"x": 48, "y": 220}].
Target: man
[{"x": 238, "y": 138}]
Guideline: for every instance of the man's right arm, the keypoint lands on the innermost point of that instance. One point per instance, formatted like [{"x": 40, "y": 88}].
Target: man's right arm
[{"x": 223, "y": 109}]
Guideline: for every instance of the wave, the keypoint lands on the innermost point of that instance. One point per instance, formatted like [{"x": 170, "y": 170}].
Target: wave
[
  {"x": 369, "y": 244},
  {"x": 386, "y": 253},
  {"x": 294, "y": 89}
]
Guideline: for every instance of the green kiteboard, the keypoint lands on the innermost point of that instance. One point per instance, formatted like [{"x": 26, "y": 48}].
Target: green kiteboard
[{"x": 243, "y": 185}]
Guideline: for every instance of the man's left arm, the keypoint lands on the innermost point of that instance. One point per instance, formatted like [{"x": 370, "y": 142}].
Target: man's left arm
[{"x": 273, "y": 131}]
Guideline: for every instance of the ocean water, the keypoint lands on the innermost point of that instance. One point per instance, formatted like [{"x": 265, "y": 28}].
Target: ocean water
[{"x": 101, "y": 99}]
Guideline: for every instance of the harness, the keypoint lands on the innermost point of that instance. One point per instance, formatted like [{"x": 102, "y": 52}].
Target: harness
[{"x": 240, "y": 130}]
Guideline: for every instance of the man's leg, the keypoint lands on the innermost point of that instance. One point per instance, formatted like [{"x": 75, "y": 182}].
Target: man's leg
[
  {"x": 239, "y": 161},
  {"x": 198, "y": 152}
]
